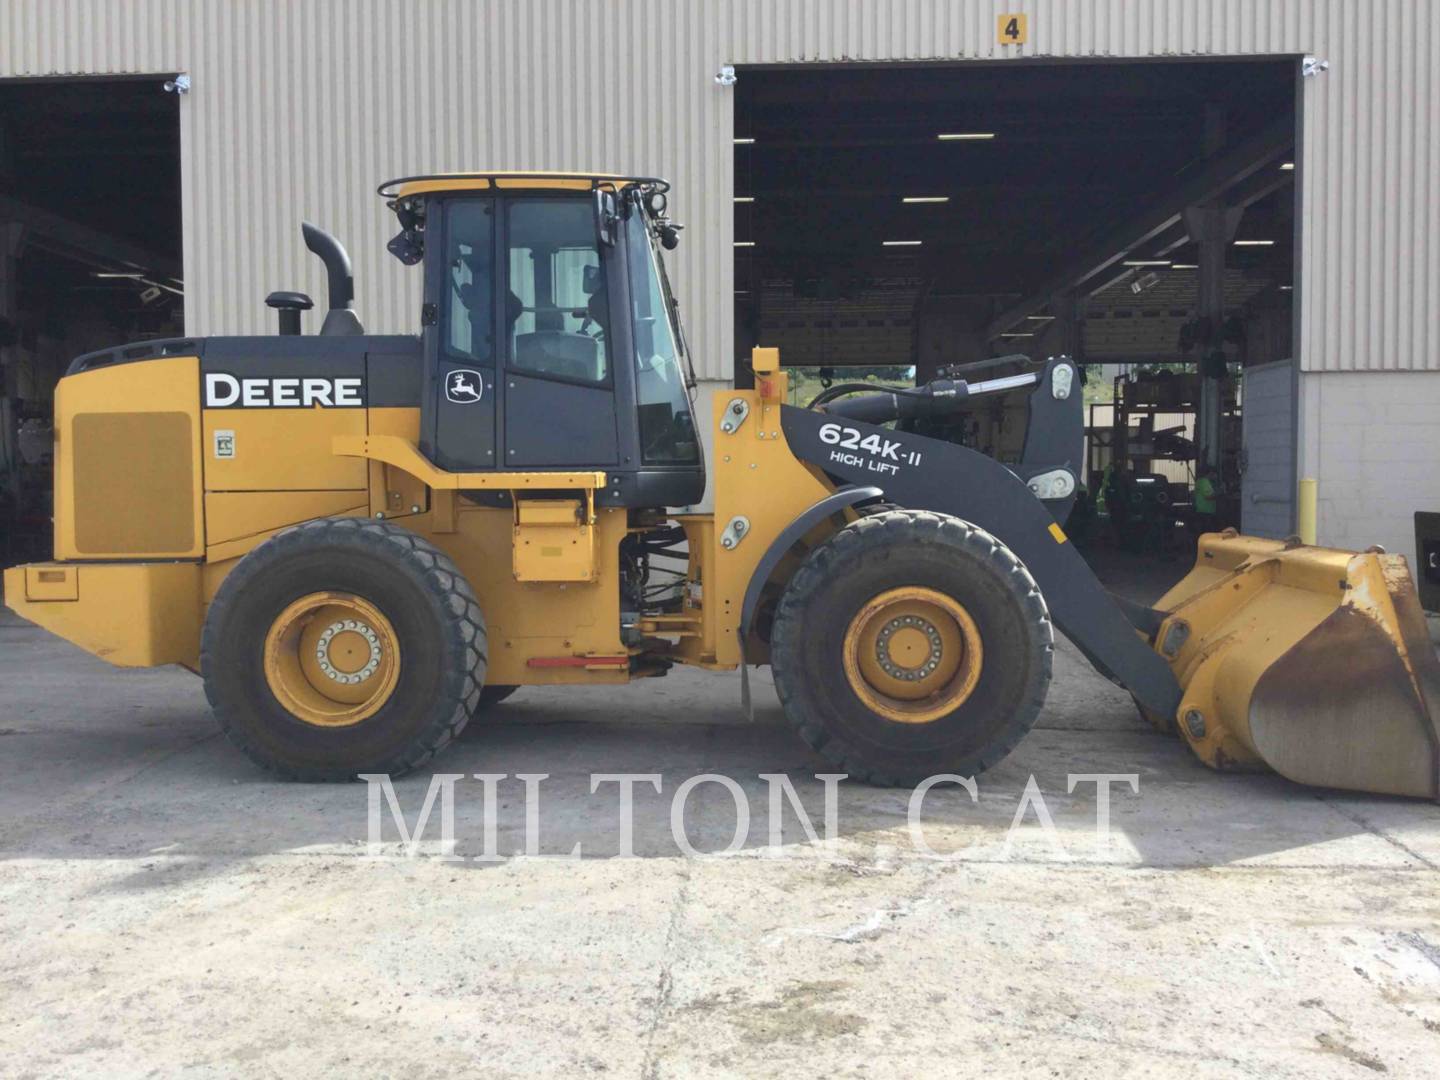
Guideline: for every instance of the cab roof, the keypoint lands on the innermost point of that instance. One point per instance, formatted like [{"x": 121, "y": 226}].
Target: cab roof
[{"x": 441, "y": 183}]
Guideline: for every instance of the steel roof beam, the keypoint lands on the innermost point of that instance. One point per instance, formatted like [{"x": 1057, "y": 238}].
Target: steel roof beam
[
  {"x": 83, "y": 243},
  {"x": 1219, "y": 174}
]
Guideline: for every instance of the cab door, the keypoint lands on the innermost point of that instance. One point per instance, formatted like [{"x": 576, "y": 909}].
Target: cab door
[
  {"x": 559, "y": 393},
  {"x": 459, "y": 410}
]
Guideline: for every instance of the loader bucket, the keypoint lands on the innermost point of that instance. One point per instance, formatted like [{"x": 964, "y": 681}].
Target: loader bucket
[{"x": 1313, "y": 662}]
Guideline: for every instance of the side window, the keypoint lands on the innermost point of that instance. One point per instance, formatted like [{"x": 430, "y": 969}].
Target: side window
[
  {"x": 470, "y": 281},
  {"x": 558, "y": 310},
  {"x": 667, "y": 429}
]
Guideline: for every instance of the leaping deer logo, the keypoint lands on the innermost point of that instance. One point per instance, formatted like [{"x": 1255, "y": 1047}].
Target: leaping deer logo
[{"x": 464, "y": 387}]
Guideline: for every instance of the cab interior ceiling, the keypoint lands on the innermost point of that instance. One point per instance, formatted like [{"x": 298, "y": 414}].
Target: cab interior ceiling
[{"x": 1054, "y": 175}]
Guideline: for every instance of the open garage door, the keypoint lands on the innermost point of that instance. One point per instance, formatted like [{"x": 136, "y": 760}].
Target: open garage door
[
  {"x": 90, "y": 252},
  {"x": 893, "y": 220}
]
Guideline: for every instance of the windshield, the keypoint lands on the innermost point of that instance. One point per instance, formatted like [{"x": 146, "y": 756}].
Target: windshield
[{"x": 667, "y": 429}]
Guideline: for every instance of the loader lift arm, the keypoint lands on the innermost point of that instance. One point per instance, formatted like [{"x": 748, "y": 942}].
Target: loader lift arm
[{"x": 927, "y": 474}]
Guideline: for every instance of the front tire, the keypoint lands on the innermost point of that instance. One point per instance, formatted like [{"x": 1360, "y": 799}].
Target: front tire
[
  {"x": 909, "y": 644},
  {"x": 343, "y": 646}
]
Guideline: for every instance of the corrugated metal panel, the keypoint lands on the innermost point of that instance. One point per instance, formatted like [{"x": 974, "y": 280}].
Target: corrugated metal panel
[
  {"x": 299, "y": 110},
  {"x": 1267, "y": 501}
]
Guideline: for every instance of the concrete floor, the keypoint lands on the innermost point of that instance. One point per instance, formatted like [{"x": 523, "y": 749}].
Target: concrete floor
[{"x": 164, "y": 907}]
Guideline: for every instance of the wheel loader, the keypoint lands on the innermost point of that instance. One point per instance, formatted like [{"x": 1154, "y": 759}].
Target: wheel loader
[{"x": 360, "y": 542}]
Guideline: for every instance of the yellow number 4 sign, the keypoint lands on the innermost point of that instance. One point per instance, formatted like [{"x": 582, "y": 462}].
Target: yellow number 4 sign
[{"x": 1012, "y": 29}]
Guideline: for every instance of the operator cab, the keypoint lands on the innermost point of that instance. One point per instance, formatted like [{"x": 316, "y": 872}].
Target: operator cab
[{"x": 551, "y": 338}]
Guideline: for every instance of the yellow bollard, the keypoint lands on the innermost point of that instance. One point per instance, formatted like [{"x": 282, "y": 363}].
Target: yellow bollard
[{"x": 1305, "y": 511}]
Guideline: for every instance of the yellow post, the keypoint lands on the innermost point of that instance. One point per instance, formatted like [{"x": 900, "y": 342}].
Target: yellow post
[
  {"x": 769, "y": 379},
  {"x": 1305, "y": 512}
]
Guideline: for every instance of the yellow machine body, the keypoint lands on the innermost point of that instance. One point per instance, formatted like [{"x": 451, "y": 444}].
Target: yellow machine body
[
  {"x": 1313, "y": 662},
  {"x": 546, "y": 570},
  {"x": 132, "y": 614}
]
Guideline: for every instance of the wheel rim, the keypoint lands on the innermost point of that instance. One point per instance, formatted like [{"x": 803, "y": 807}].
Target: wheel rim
[
  {"x": 332, "y": 659},
  {"x": 913, "y": 655}
]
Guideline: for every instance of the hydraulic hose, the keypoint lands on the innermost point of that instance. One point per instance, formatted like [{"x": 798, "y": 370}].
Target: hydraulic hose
[
  {"x": 841, "y": 389},
  {"x": 933, "y": 399}
]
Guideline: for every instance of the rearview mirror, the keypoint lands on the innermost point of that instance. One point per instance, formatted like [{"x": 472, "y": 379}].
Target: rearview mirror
[{"x": 606, "y": 217}]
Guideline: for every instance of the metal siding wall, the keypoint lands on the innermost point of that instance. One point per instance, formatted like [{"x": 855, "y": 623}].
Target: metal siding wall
[
  {"x": 299, "y": 110},
  {"x": 1268, "y": 497}
]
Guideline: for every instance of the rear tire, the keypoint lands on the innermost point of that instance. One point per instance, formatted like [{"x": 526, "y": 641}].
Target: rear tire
[
  {"x": 408, "y": 683},
  {"x": 940, "y": 614}
]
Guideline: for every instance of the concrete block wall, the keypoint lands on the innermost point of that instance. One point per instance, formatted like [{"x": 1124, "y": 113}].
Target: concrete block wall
[{"x": 1372, "y": 439}]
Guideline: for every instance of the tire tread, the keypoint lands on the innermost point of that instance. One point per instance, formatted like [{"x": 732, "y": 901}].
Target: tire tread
[
  {"x": 439, "y": 576},
  {"x": 885, "y": 529}
]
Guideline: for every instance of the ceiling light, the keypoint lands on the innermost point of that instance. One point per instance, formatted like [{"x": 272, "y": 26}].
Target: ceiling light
[
  {"x": 925, "y": 198},
  {"x": 129, "y": 275},
  {"x": 956, "y": 136},
  {"x": 1254, "y": 243},
  {"x": 1184, "y": 266},
  {"x": 1287, "y": 288},
  {"x": 1287, "y": 166},
  {"x": 744, "y": 243},
  {"x": 901, "y": 243},
  {"x": 744, "y": 142},
  {"x": 1146, "y": 262},
  {"x": 1017, "y": 333},
  {"x": 744, "y": 198},
  {"x": 1040, "y": 318}
]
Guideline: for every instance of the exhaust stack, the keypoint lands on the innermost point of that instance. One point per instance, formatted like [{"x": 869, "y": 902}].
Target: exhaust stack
[
  {"x": 337, "y": 264},
  {"x": 340, "y": 319}
]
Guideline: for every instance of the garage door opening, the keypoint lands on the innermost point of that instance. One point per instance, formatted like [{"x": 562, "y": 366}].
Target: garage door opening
[
  {"x": 90, "y": 256},
  {"x": 891, "y": 221}
]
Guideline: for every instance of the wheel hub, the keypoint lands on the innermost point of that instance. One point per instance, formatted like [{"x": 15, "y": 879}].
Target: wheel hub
[
  {"x": 913, "y": 655},
  {"x": 348, "y": 651},
  {"x": 908, "y": 648},
  {"x": 332, "y": 659}
]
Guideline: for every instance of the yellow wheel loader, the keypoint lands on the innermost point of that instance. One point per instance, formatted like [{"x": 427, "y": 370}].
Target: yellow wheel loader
[{"x": 361, "y": 541}]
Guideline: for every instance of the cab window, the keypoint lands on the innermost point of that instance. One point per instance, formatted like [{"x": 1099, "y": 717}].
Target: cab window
[
  {"x": 470, "y": 281},
  {"x": 558, "y": 310},
  {"x": 667, "y": 429}
]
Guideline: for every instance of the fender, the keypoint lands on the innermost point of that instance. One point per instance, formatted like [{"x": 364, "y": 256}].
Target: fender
[
  {"x": 921, "y": 473},
  {"x": 849, "y": 495}
]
